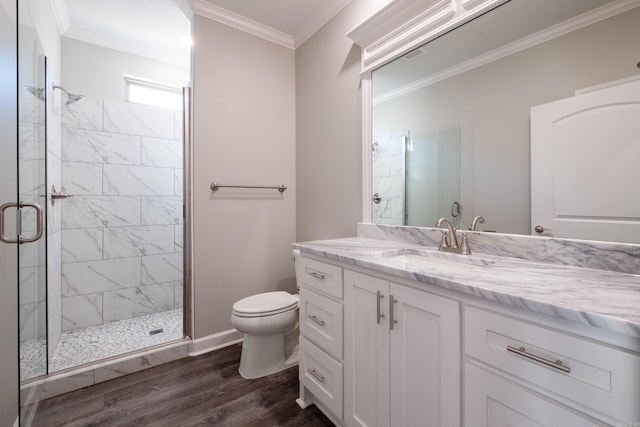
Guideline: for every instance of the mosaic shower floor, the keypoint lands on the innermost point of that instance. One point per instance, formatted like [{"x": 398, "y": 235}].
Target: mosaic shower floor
[{"x": 93, "y": 343}]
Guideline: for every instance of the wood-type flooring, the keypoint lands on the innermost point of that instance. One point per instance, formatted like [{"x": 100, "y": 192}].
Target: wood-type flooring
[{"x": 196, "y": 391}]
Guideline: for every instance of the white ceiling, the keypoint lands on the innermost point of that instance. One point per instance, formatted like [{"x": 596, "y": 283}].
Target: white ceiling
[{"x": 151, "y": 28}]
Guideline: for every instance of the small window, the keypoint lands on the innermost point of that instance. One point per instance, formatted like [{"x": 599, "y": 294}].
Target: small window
[{"x": 150, "y": 93}]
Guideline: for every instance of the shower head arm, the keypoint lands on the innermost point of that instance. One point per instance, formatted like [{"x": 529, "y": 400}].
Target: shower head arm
[
  {"x": 71, "y": 98},
  {"x": 55, "y": 86}
]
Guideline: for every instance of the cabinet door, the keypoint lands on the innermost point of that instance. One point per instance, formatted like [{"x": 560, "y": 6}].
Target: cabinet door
[
  {"x": 366, "y": 364},
  {"x": 491, "y": 401},
  {"x": 425, "y": 359}
]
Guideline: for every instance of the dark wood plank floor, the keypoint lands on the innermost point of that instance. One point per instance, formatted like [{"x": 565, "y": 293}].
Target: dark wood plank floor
[{"x": 197, "y": 391}]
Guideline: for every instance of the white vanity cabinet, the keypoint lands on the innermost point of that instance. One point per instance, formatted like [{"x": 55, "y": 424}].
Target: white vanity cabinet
[
  {"x": 402, "y": 355},
  {"x": 321, "y": 336},
  {"x": 377, "y": 351},
  {"x": 519, "y": 372}
]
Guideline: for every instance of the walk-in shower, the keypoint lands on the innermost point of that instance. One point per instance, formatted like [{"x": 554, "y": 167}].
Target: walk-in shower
[{"x": 107, "y": 277}]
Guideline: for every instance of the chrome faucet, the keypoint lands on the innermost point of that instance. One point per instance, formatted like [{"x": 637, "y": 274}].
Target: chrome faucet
[
  {"x": 475, "y": 222},
  {"x": 449, "y": 241}
]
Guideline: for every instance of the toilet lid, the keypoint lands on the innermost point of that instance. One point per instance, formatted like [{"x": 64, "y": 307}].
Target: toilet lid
[{"x": 268, "y": 303}]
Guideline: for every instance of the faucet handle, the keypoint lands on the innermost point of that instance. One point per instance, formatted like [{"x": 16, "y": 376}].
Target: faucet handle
[
  {"x": 444, "y": 241},
  {"x": 464, "y": 247}
]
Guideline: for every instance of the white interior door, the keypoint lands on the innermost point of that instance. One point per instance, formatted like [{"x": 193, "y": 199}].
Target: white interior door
[{"x": 585, "y": 154}]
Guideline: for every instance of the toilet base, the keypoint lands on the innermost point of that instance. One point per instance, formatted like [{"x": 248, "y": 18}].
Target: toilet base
[{"x": 264, "y": 355}]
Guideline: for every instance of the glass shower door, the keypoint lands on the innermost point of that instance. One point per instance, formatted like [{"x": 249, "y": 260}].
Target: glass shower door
[
  {"x": 433, "y": 177},
  {"x": 32, "y": 270}
]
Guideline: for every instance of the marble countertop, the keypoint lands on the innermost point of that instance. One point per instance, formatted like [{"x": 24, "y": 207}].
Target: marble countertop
[{"x": 606, "y": 299}]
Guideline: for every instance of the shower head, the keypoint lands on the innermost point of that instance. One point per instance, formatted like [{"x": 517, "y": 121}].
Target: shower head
[
  {"x": 71, "y": 98},
  {"x": 38, "y": 92}
]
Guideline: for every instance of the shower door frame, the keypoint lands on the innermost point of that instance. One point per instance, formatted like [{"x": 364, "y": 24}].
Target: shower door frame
[{"x": 187, "y": 306}]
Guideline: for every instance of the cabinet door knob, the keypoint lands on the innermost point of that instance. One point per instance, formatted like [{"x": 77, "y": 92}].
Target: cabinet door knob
[{"x": 540, "y": 229}]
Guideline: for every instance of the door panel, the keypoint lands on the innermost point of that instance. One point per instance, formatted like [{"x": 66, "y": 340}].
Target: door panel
[
  {"x": 366, "y": 351},
  {"x": 425, "y": 359},
  {"x": 584, "y": 154}
]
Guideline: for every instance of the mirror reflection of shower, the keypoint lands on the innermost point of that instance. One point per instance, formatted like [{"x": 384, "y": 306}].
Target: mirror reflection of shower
[
  {"x": 38, "y": 92},
  {"x": 71, "y": 97}
]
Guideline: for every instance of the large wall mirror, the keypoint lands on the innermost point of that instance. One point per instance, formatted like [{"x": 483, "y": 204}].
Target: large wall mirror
[{"x": 451, "y": 120}]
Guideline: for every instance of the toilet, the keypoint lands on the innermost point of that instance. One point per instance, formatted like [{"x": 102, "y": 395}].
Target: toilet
[{"x": 269, "y": 322}]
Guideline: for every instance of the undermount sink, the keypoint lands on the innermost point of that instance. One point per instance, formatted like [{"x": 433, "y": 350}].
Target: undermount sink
[{"x": 434, "y": 260}]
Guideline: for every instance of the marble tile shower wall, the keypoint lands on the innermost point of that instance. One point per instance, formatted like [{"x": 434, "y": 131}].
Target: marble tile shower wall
[
  {"x": 54, "y": 214},
  {"x": 31, "y": 161},
  {"x": 122, "y": 230},
  {"x": 388, "y": 178}
]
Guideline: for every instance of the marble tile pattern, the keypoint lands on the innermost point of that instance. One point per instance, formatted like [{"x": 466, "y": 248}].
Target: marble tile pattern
[
  {"x": 121, "y": 231},
  {"x": 605, "y": 298},
  {"x": 388, "y": 178},
  {"x": 90, "y": 344},
  {"x": 620, "y": 257},
  {"x": 108, "y": 351}
]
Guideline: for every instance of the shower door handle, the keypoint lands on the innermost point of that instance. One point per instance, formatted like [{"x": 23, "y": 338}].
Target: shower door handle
[
  {"x": 20, "y": 239},
  {"x": 455, "y": 209}
]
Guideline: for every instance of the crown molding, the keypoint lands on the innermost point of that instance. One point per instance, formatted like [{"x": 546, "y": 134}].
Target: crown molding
[
  {"x": 403, "y": 25},
  {"x": 239, "y": 22},
  {"x": 535, "y": 39},
  {"x": 310, "y": 28},
  {"x": 185, "y": 6},
  {"x": 61, "y": 15}
]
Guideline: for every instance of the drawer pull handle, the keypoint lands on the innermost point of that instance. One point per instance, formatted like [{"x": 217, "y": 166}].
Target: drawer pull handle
[
  {"x": 316, "y": 275},
  {"x": 315, "y": 319},
  {"x": 379, "y": 315},
  {"x": 315, "y": 374},
  {"x": 524, "y": 353}
]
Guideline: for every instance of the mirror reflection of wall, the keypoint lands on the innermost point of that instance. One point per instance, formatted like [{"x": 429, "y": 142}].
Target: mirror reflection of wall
[{"x": 492, "y": 100}]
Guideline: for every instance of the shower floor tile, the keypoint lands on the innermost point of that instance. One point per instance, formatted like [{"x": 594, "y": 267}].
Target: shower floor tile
[
  {"x": 93, "y": 343},
  {"x": 33, "y": 358}
]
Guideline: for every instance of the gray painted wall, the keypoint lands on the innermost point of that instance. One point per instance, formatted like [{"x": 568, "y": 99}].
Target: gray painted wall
[
  {"x": 98, "y": 71},
  {"x": 329, "y": 128},
  {"x": 244, "y": 133}
]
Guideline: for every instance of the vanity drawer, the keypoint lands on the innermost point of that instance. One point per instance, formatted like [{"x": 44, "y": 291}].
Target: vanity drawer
[
  {"x": 591, "y": 374},
  {"x": 324, "y": 278},
  {"x": 321, "y": 321},
  {"x": 321, "y": 375},
  {"x": 491, "y": 400}
]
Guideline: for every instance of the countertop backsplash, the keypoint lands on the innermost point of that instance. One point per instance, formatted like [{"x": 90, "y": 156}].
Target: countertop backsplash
[{"x": 618, "y": 257}]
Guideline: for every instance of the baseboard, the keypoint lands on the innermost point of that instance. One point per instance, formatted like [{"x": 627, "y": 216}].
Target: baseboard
[{"x": 214, "y": 342}]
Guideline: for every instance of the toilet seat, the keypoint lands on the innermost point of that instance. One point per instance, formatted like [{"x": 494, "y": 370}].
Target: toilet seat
[{"x": 265, "y": 304}]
